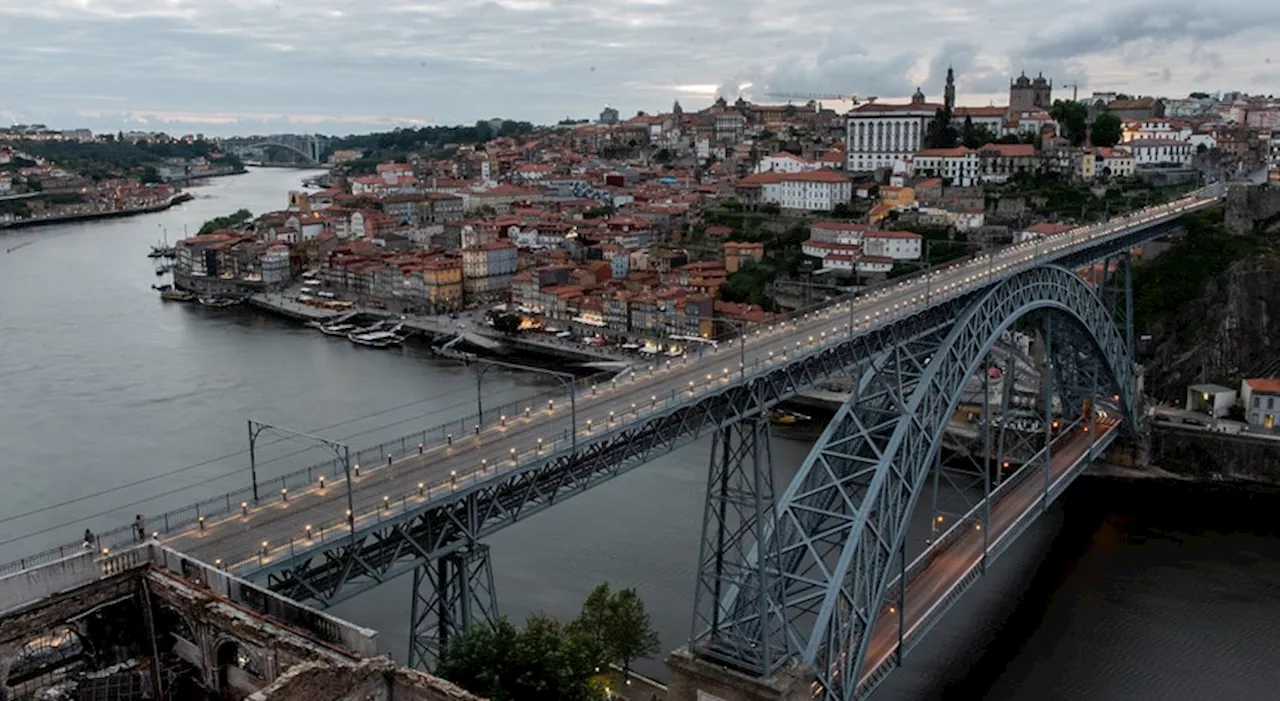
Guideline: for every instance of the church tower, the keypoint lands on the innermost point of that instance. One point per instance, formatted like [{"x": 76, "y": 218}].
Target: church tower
[{"x": 949, "y": 95}]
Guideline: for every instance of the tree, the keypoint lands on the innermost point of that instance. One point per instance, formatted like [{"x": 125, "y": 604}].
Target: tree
[
  {"x": 1074, "y": 118},
  {"x": 1107, "y": 130},
  {"x": 544, "y": 660},
  {"x": 632, "y": 633},
  {"x": 975, "y": 135},
  {"x": 941, "y": 133},
  {"x": 618, "y": 623},
  {"x": 230, "y": 221},
  {"x": 148, "y": 175}
]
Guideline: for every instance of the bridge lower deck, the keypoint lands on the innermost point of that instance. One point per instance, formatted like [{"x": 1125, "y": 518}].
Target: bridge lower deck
[{"x": 929, "y": 589}]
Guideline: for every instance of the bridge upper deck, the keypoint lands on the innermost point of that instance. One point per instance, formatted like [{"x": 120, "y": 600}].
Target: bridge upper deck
[{"x": 312, "y": 519}]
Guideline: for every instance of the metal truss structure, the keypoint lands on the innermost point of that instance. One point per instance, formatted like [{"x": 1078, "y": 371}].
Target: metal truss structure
[
  {"x": 449, "y": 596},
  {"x": 740, "y": 506},
  {"x": 884, "y": 357},
  {"x": 309, "y": 146},
  {"x": 840, "y": 525}
]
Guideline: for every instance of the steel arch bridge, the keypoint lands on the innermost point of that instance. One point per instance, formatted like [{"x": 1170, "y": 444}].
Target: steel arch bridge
[
  {"x": 815, "y": 578},
  {"x": 309, "y": 147}
]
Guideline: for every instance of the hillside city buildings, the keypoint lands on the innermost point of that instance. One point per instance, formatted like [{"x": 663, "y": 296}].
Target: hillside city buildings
[{"x": 634, "y": 226}]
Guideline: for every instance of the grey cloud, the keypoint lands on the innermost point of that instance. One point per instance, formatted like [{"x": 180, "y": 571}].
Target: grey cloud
[
  {"x": 462, "y": 60},
  {"x": 1160, "y": 21},
  {"x": 958, "y": 55},
  {"x": 839, "y": 68}
]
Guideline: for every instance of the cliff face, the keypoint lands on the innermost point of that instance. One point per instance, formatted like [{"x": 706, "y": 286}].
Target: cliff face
[{"x": 1230, "y": 331}]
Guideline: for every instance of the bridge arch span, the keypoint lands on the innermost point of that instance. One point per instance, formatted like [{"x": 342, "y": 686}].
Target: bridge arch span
[
  {"x": 309, "y": 158},
  {"x": 843, "y": 519}
]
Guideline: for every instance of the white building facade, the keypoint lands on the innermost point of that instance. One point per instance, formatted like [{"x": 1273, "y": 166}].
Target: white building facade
[
  {"x": 819, "y": 190},
  {"x": 895, "y": 245},
  {"x": 878, "y": 134},
  {"x": 784, "y": 162},
  {"x": 959, "y": 166},
  {"x": 1150, "y": 152}
]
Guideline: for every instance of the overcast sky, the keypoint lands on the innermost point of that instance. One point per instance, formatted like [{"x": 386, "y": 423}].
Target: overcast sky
[{"x": 333, "y": 66}]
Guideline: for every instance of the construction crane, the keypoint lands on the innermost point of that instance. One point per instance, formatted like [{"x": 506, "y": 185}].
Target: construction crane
[
  {"x": 819, "y": 96},
  {"x": 1075, "y": 91}
]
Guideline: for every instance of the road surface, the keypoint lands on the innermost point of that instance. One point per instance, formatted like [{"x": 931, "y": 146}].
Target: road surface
[{"x": 928, "y": 587}]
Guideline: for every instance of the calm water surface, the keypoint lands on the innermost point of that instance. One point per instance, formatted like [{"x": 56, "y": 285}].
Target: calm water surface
[{"x": 1123, "y": 591}]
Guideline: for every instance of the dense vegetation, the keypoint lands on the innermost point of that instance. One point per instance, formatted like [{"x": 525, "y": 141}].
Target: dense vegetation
[
  {"x": 547, "y": 659},
  {"x": 1163, "y": 286},
  {"x": 230, "y": 221},
  {"x": 396, "y": 145},
  {"x": 782, "y": 238},
  {"x": 1107, "y": 129},
  {"x": 1054, "y": 194},
  {"x": 100, "y": 160}
]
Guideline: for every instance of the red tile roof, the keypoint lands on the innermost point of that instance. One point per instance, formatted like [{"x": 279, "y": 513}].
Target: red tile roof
[
  {"x": 1012, "y": 150},
  {"x": 1265, "y": 385}
]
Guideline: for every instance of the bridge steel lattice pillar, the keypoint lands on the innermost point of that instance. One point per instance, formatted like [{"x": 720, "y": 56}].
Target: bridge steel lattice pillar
[
  {"x": 842, "y": 522},
  {"x": 739, "y": 508},
  {"x": 450, "y": 595}
]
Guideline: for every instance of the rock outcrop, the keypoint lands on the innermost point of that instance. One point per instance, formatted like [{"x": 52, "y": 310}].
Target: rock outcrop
[{"x": 1231, "y": 331}]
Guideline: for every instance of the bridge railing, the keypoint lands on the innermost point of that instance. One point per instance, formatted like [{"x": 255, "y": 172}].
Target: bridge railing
[{"x": 364, "y": 459}]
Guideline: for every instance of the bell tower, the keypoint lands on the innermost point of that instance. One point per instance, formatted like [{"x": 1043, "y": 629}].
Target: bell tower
[{"x": 949, "y": 95}]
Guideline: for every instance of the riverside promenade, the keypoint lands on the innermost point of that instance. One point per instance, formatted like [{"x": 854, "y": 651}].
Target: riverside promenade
[{"x": 85, "y": 215}]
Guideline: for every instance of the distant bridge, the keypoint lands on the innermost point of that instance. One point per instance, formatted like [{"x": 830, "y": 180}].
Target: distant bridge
[{"x": 309, "y": 147}]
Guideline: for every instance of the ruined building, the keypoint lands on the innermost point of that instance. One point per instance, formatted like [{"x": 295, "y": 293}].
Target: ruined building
[{"x": 152, "y": 623}]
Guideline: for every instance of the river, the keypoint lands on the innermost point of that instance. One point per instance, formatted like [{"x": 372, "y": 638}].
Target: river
[{"x": 1124, "y": 590}]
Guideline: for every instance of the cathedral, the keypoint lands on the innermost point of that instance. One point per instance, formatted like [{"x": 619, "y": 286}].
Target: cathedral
[{"x": 1026, "y": 94}]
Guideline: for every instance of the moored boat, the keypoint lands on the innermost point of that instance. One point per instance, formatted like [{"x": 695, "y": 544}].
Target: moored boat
[
  {"x": 219, "y": 302},
  {"x": 780, "y": 417},
  {"x": 387, "y": 335},
  {"x": 174, "y": 295},
  {"x": 337, "y": 329},
  {"x": 376, "y": 339}
]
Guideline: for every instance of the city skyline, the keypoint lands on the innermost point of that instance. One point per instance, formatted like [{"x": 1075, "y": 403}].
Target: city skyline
[{"x": 244, "y": 66}]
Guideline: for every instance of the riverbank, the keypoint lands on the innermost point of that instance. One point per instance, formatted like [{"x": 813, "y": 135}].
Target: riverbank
[
  {"x": 174, "y": 199},
  {"x": 188, "y": 179}
]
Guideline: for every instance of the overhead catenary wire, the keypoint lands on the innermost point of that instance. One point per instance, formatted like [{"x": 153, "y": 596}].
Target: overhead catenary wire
[
  {"x": 211, "y": 461},
  {"x": 183, "y": 488}
]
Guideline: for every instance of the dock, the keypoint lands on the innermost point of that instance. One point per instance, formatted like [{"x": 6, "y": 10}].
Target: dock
[
  {"x": 440, "y": 331},
  {"x": 281, "y": 305}
]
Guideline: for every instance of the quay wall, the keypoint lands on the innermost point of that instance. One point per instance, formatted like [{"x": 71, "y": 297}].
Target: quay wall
[{"x": 1209, "y": 455}]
